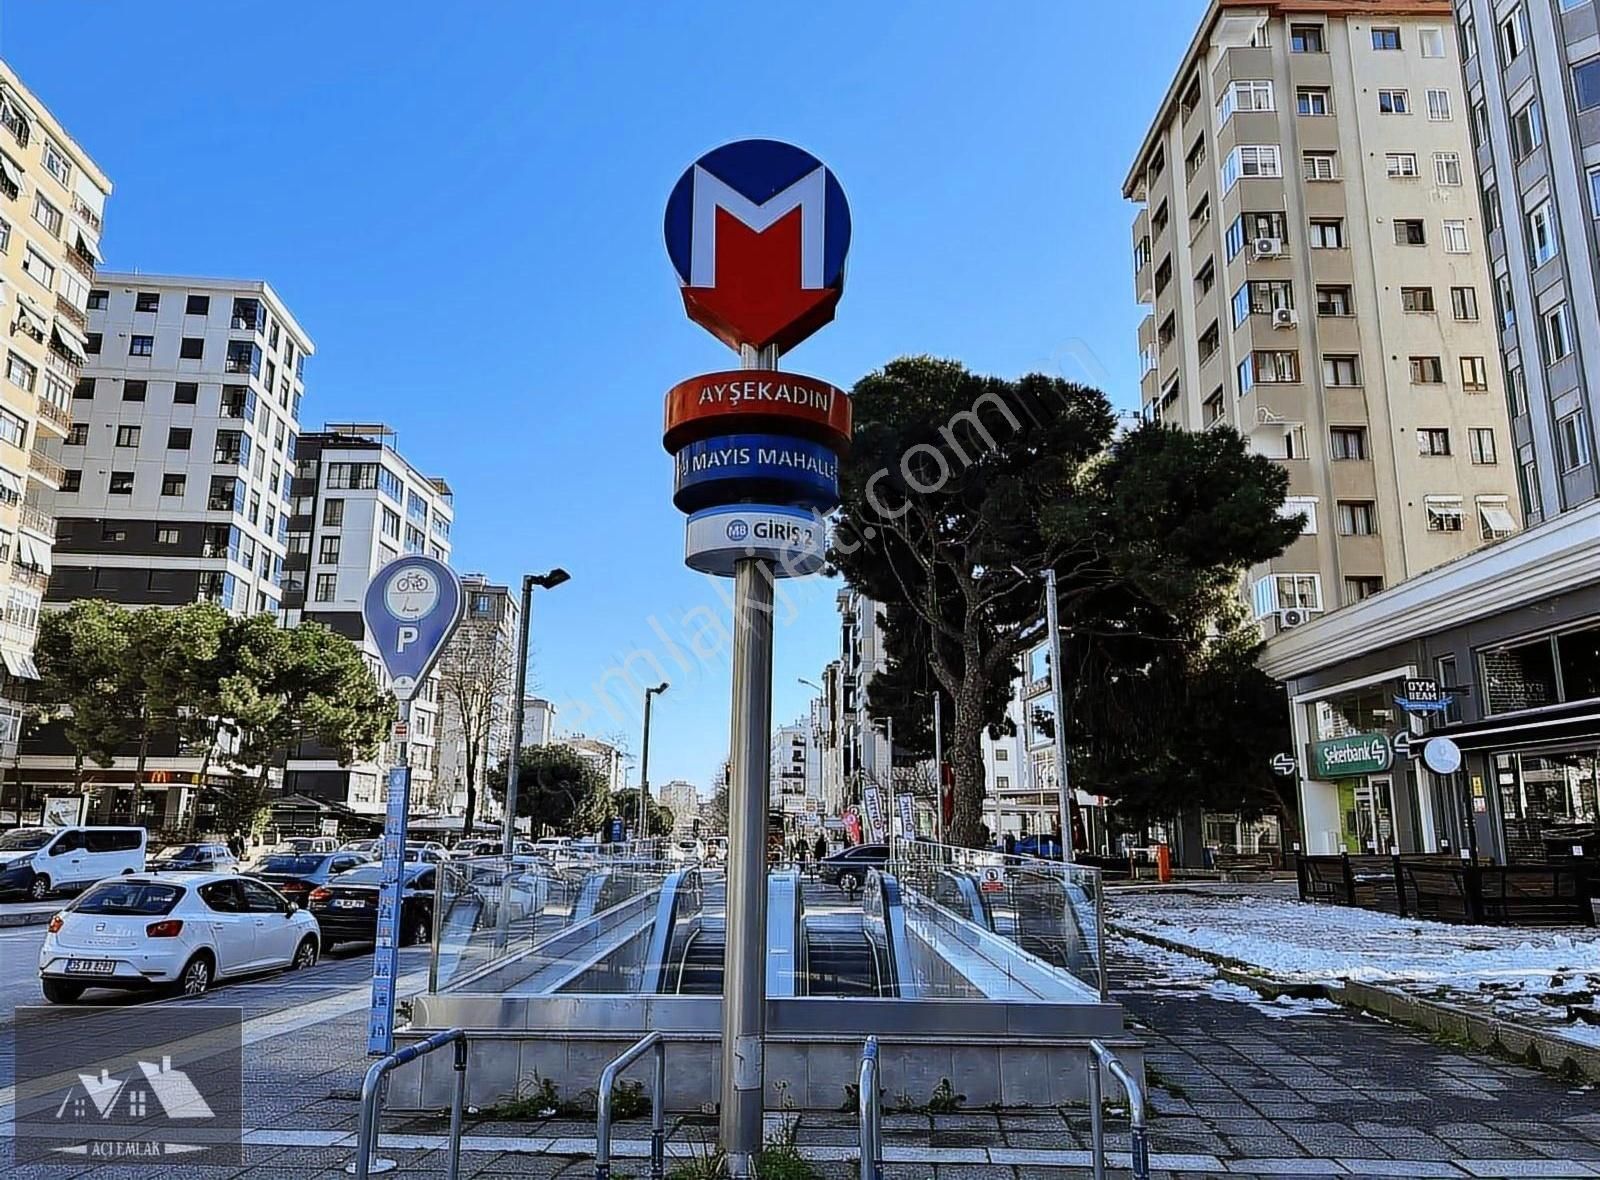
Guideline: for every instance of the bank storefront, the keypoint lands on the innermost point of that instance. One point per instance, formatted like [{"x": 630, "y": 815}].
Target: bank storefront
[{"x": 1511, "y": 635}]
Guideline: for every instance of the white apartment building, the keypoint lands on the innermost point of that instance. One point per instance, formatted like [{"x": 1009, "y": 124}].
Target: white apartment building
[
  {"x": 606, "y": 757},
  {"x": 357, "y": 504},
  {"x": 52, "y": 201},
  {"x": 175, "y": 480},
  {"x": 478, "y": 669},
  {"x": 682, "y": 798},
  {"x": 1312, "y": 251},
  {"x": 795, "y": 788},
  {"x": 538, "y": 721}
]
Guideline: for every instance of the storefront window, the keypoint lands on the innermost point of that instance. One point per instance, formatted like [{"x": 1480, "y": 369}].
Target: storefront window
[
  {"x": 1579, "y": 653},
  {"x": 1361, "y": 711},
  {"x": 1558, "y": 788},
  {"x": 1519, "y": 677}
]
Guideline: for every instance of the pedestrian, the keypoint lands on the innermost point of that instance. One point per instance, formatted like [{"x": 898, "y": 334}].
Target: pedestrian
[
  {"x": 1011, "y": 844},
  {"x": 821, "y": 849},
  {"x": 236, "y": 844}
]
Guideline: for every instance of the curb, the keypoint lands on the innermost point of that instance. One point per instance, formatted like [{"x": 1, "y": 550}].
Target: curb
[{"x": 1533, "y": 1047}]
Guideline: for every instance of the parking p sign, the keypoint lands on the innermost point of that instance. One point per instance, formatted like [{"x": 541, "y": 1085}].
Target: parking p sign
[{"x": 411, "y": 607}]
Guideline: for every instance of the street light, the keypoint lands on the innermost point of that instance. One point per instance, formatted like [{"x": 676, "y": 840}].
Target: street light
[
  {"x": 644, "y": 763},
  {"x": 546, "y": 581},
  {"x": 1058, "y": 690}
]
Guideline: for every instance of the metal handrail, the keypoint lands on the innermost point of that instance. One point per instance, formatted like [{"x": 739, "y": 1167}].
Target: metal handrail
[
  {"x": 372, "y": 1091},
  {"x": 1138, "y": 1131},
  {"x": 870, "y": 1112},
  {"x": 658, "y": 1107}
]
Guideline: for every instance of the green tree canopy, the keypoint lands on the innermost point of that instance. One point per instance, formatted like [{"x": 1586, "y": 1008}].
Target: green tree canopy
[{"x": 557, "y": 789}]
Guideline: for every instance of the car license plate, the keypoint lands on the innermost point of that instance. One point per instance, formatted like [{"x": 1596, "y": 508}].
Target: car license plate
[
  {"x": 350, "y": 903},
  {"x": 91, "y": 966}
]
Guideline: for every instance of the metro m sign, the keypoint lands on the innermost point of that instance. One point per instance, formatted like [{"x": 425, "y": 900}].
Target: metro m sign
[{"x": 758, "y": 231}]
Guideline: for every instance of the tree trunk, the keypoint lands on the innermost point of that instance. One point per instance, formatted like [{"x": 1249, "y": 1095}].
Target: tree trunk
[
  {"x": 966, "y": 762},
  {"x": 472, "y": 791}
]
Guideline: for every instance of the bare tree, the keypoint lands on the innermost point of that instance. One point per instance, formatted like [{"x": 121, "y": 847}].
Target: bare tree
[{"x": 475, "y": 677}]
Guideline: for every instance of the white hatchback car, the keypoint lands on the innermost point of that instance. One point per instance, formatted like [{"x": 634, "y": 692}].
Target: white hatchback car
[{"x": 172, "y": 930}]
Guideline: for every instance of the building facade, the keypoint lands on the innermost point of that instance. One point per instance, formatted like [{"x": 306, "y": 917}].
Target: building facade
[
  {"x": 683, "y": 800},
  {"x": 1532, "y": 74},
  {"x": 355, "y": 505},
  {"x": 795, "y": 789},
  {"x": 52, "y": 205},
  {"x": 174, "y": 485},
  {"x": 606, "y": 757},
  {"x": 476, "y": 689},
  {"x": 538, "y": 721},
  {"x": 1312, "y": 251}
]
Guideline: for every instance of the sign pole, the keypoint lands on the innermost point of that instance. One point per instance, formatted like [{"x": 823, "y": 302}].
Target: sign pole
[
  {"x": 744, "y": 1002},
  {"x": 1058, "y": 683},
  {"x": 938, "y": 764}
]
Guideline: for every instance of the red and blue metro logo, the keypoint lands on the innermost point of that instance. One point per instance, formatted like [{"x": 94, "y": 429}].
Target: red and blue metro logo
[{"x": 758, "y": 231}]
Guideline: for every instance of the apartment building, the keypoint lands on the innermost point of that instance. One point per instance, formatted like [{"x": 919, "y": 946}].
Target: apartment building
[
  {"x": 355, "y": 505},
  {"x": 175, "y": 484},
  {"x": 52, "y": 201},
  {"x": 538, "y": 721},
  {"x": 682, "y": 798},
  {"x": 1532, "y": 74},
  {"x": 795, "y": 789},
  {"x": 477, "y": 671},
  {"x": 1312, "y": 251}
]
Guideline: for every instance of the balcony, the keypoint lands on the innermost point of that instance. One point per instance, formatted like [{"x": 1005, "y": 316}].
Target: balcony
[
  {"x": 232, "y": 457},
  {"x": 31, "y": 579},
  {"x": 35, "y": 521},
  {"x": 70, "y": 310},
  {"x": 57, "y": 416},
  {"x": 16, "y": 124},
  {"x": 86, "y": 214},
  {"x": 20, "y": 634},
  {"x": 78, "y": 262},
  {"x": 46, "y": 469}
]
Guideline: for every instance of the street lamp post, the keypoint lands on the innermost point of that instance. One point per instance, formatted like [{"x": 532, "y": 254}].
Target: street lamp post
[
  {"x": 644, "y": 762},
  {"x": 1059, "y": 691},
  {"x": 938, "y": 765},
  {"x": 547, "y": 581}
]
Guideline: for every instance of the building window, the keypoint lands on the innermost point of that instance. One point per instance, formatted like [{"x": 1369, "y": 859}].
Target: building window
[
  {"x": 1480, "y": 445},
  {"x": 1433, "y": 440},
  {"x": 1261, "y": 297},
  {"x": 1572, "y": 441},
  {"x": 1400, "y": 165},
  {"x": 1416, "y": 299},
  {"x": 1319, "y": 165},
  {"x": 1542, "y": 234},
  {"x": 1385, "y": 38},
  {"x": 1455, "y": 237},
  {"x": 1327, "y": 234},
  {"x": 1409, "y": 232},
  {"x": 121, "y": 483},
  {"x": 197, "y": 305},
  {"x": 179, "y": 438},
  {"x": 1464, "y": 303},
  {"x": 1335, "y": 301},
  {"x": 135, "y": 391},
  {"x": 39, "y": 268},
  {"x": 325, "y": 587},
  {"x": 46, "y": 214},
  {"x": 1513, "y": 36},
  {"x": 1557, "y": 334},
  {"x": 1474, "y": 374},
  {"x": 20, "y": 373},
  {"x": 1313, "y": 100},
  {"x": 128, "y": 436},
  {"x": 1439, "y": 106},
  {"x": 1444, "y": 513},
  {"x": 13, "y": 429},
  {"x": 1426, "y": 370},
  {"x": 141, "y": 345},
  {"x": 192, "y": 348},
  {"x": 1394, "y": 102},
  {"x": 1518, "y": 391},
  {"x": 1357, "y": 518},
  {"x": 147, "y": 301},
  {"x": 332, "y": 513},
  {"x": 1306, "y": 39},
  {"x": 1446, "y": 169},
  {"x": 1348, "y": 442},
  {"x": 1250, "y": 161},
  {"x": 1357, "y": 588},
  {"x": 72, "y": 480},
  {"x": 166, "y": 536},
  {"x": 391, "y": 524},
  {"x": 1432, "y": 42},
  {"x": 185, "y": 393},
  {"x": 244, "y": 356},
  {"x": 173, "y": 485},
  {"x": 78, "y": 435},
  {"x": 1269, "y": 367},
  {"x": 91, "y": 343},
  {"x": 1299, "y": 592},
  {"x": 1244, "y": 96},
  {"x": 1341, "y": 370},
  {"x": 353, "y": 475},
  {"x": 98, "y": 300},
  {"x": 328, "y": 550},
  {"x": 84, "y": 389}
]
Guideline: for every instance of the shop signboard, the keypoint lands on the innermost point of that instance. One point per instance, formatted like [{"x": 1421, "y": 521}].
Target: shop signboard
[
  {"x": 1422, "y": 695},
  {"x": 1351, "y": 756}
]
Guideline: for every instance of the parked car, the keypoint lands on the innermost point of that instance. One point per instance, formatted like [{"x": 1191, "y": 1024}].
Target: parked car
[
  {"x": 686, "y": 851},
  {"x": 717, "y": 850},
  {"x": 38, "y": 861},
  {"x": 848, "y": 869},
  {"x": 425, "y": 851},
  {"x": 368, "y": 848},
  {"x": 521, "y": 848},
  {"x": 205, "y": 858},
  {"x": 1043, "y": 847},
  {"x": 346, "y": 908},
  {"x": 177, "y": 930},
  {"x": 296, "y": 875}
]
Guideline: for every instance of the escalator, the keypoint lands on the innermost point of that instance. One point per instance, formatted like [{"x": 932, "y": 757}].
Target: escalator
[
  {"x": 701, "y": 972},
  {"x": 840, "y": 962}
]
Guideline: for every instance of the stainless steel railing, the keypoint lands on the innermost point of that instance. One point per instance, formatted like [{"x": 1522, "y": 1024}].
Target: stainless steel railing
[
  {"x": 870, "y": 1107},
  {"x": 1138, "y": 1132},
  {"x": 658, "y": 1107},
  {"x": 372, "y": 1090}
]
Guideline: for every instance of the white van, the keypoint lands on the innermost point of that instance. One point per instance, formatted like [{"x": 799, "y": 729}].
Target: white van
[{"x": 38, "y": 862}]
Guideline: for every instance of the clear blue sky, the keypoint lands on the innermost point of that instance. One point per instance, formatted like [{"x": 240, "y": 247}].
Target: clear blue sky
[{"x": 462, "y": 204}]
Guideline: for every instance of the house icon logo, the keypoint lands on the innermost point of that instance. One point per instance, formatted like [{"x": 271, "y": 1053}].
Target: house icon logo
[{"x": 155, "y": 1088}]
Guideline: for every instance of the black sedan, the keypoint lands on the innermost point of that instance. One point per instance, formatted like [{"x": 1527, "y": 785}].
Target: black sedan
[
  {"x": 347, "y": 907},
  {"x": 849, "y": 869},
  {"x": 296, "y": 874}
]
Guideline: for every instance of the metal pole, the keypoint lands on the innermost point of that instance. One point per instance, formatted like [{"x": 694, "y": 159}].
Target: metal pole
[
  {"x": 938, "y": 765},
  {"x": 644, "y": 771},
  {"x": 516, "y": 718},
  {"x": 658, "y": 1114},
  {"x": 744, "y": 958},
  {"x": 458, "y": 1108},
  {"x": 1059, "y": 690},
  {"x": 891, "y": 803},
  {"x": 1097, "y": 1126}
]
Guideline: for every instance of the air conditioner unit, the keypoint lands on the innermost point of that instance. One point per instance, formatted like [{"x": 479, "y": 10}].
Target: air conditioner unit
[
  {"x": 1293, "y": 617},
  {"x": 1284, "y": 317},
  {"x": 1268, "y": 247}
]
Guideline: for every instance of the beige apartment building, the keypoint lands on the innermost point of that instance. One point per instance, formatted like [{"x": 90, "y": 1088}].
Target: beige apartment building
[
  {"x": 52, "y": 199},
  {"x": 1309, "y": 242}
]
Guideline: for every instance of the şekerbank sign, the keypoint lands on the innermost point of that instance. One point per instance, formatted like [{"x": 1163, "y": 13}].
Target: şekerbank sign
[{"x": 1351, "y": 755}]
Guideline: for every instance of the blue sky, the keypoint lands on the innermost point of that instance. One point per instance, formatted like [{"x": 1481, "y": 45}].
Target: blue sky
[{"x": 462, "y": 204}]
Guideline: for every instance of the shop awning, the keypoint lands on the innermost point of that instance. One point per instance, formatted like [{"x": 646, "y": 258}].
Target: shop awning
[
  {"x": 1555, "y": 725},
  {"x": 64, "y": 341},
  {"x": 19, "y": 664}
]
